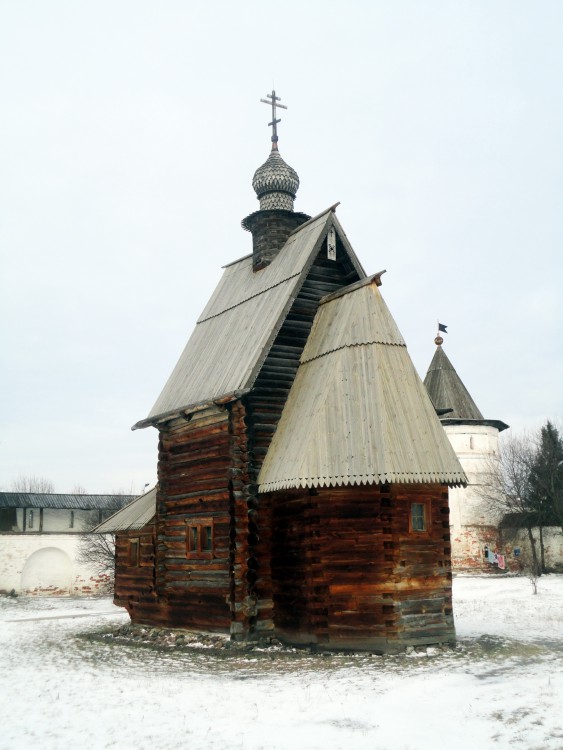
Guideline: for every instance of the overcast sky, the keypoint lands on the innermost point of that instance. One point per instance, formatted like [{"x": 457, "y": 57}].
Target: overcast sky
[{"x": 129, "y": 135}]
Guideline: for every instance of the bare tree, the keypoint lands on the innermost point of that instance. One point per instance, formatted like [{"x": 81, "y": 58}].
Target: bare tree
[
  {"x": 97, "y": 551},
  {"x": 78, "y": 489},
  {"x": 530, "y": 569},
  {"x": 506, "y": 489},
  {"x": 26, "y": 483}
]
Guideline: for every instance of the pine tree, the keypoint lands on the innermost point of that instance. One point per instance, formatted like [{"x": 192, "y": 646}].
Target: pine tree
[{"x": 546, "y": 477}]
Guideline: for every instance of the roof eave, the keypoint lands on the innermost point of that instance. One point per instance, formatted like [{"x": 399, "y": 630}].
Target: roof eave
[
  {"x": 160, "y": 419},
  {"x": 500, "y": 426},
  {"x": 451, "y": 480}
]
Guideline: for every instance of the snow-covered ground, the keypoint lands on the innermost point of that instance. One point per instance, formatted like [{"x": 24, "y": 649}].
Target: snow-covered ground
[{"x": 502, "y": 687}]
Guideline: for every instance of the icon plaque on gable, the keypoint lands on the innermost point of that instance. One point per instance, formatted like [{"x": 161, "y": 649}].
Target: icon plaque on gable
[{"x": 331, "y": 244}]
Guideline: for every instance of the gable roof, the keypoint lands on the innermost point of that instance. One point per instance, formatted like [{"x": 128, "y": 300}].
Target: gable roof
[
  {"x": 240, "y": 322},
  {"x": 357, "y": 412},
  {"x": 134, "y": 516},
  {"x": 446, "y": 389},
  {"x": 60, "y": 501}
]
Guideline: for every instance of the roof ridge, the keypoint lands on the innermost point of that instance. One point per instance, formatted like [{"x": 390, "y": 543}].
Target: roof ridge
[
  {"x": 314, "y": 218},
  {"x": 252, "y": 296},
  {"x": 350, "y": 346},
  {"x": 354, "y": 287}
]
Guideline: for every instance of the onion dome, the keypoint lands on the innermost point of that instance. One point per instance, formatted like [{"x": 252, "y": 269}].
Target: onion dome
[{"x": 275, "y": 183}]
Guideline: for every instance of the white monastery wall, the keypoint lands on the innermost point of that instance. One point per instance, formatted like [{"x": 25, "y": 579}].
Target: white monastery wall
[
  {"x": 55, "y": 519},
  {"x": 45, "y": 564},
  {"x": 552, "y": 543}
]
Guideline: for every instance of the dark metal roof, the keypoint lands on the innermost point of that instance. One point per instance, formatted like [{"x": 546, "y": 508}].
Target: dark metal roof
[
  {"x": 500, "y": 426},
  {"x": 72, "y": 502},
  {"x": 447, "y": 391}
]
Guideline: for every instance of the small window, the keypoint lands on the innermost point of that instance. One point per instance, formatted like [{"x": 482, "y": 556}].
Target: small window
[
  {"x": 207, "y": 539},
  {"x": 71, "y": 522},
  {"x": 193, "y": 538},
  {"x": 199, "y": 538},
  {"x": 134, "y": 553},
  {"x": 30, "y": 520},
  {"x": 418, "y": 517}
]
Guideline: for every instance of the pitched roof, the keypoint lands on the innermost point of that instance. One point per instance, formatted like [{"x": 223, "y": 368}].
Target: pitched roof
[
  {"x": 447, "y": 391},
  {"x": 54, "y": 500},
  {"x": 357, "y": 412},
  {"x": 134, "y": 516},
  {"x": 239, "y": 324}
]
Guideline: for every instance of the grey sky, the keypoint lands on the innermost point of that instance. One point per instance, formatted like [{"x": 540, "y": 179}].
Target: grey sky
[{"x": 129, "y": 135}]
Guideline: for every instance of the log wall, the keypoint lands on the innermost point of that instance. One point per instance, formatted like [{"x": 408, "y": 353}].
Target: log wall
[
  {"x": 204, "y": 477},
  {"x": 348, "y": 573},
  {"x": 190, "y": 590},
  {"x": 135, "y": 580}
]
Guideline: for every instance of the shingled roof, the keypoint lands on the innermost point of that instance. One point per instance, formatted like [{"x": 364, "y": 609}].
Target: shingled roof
[
  {"x": 447, "y": 391},
  {"x": 134, "y": 516},
  {"x": 357, "y": 412},
  {"x": 451, "y": 398},
  {"x": 239, "y": 324}
]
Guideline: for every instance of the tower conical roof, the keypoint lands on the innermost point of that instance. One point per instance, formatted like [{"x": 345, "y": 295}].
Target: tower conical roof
[{"x": 446, "y": 389}]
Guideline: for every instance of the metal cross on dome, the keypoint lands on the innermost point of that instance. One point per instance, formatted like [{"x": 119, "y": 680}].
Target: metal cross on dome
[{"x": 273, "y": 101}]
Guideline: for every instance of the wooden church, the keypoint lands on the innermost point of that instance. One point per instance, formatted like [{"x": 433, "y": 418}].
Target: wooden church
[{"x": 302, "y": 471}]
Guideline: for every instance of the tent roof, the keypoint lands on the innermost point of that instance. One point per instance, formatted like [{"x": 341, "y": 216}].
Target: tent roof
[
  {"x": 357, "y": 412},
  {"x": 446, "y": 389}
]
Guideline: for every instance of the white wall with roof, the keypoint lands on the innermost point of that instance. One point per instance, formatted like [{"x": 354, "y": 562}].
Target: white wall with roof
[{"x": 55, "y": 520}]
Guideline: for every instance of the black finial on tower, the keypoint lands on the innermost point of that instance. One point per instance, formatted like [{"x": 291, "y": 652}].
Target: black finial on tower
[
  {"x": 441, "y": 329},
  {"x": 273, "y": 101}
]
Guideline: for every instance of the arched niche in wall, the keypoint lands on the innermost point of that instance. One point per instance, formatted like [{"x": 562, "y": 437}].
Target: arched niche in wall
[{"x": 47, "y": 571}]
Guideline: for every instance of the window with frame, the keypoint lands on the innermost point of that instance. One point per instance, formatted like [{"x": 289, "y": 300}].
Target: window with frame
[
  {"x": 199, "y": 538},
  {"x": 419, "y": 517},
  {"x": 134, "y": 553}
]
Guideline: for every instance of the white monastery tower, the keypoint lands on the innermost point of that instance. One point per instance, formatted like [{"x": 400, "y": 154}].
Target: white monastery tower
[{"x": 475, "y": 440}]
